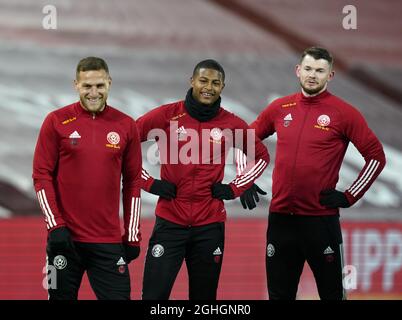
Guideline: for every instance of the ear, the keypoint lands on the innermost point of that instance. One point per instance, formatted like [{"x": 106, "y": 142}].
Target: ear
[
  {"x": 75, "y": 84},
  {"x": 331, "y": 75},
  {"x": 297, "y": 70},
  {"x": 191, "y": 82}
]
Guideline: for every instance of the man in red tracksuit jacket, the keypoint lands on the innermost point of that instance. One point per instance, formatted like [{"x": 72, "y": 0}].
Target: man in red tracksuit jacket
[
  {"x": 193, "y": 138},
  {"x": 313, "y": 130},
  {"x": 82, "y": 151}
]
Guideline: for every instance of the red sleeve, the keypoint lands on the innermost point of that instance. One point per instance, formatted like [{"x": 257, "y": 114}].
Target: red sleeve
[
  {"x": 264, "y": 125},
  {"x": 257, "y": 159},
  {"x": 45, "y": 161},
  {"x": 357, "y": 131},
  {"x": 131, "y": 171},
  {"x": 147, "y": 180},
  {"x": 149, "y": 125}
]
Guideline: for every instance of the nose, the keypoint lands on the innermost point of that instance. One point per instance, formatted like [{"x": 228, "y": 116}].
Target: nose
[
  {"x": 209, "y": 86},
  {"x": 311, "y": 76},
  {"x": 93, "y": 92}
]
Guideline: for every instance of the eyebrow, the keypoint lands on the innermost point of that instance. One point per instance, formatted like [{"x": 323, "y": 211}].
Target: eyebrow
[
  {"x": 318, "y": 69},
  {"x": 206, "y": 78},
  {"x": 94, "y": 84}
]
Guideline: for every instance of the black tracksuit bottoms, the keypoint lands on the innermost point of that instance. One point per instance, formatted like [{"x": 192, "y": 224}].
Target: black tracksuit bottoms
[
  {"x": 294, "y": 239},
  {"x": 201, "y": 247},
  {"x": 104, "y": 263}
]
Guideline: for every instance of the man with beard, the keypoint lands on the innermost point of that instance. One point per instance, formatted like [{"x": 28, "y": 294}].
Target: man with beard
[
  {"x": 194, "y": 136},
  {"x": 313, "y": 130},
  {"x": 82, "y": 152}
]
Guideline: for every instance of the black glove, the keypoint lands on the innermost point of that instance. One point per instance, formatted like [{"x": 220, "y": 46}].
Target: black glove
[
  {"x": 332, "y": 198},
  {"x": 222, "y": 191},
  {"x": 250, "y": 197},
  {"x": 59, "y": 241},
  {"x": 132, "y": 252},
  {"x": 164, "y": 189}
]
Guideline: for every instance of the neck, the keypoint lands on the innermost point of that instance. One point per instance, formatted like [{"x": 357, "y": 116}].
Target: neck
[
  {"x": 200, "y": 111},
  {"x": 93, "y": 112}
]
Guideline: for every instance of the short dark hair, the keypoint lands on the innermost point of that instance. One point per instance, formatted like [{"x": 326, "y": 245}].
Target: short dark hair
[
  {"x": 318, "y": 53},
  {"x": 91, "y": 63},
  {"x": 209, "y": 64}
]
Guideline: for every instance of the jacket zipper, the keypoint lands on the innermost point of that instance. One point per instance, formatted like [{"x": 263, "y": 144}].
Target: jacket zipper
[
  {"x": 294, "y": 160},
  {"x": 93, "y": 128},
  {"x": 192, "y": 185}
]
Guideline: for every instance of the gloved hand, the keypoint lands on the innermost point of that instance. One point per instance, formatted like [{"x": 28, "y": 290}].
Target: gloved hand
[
  {"x": 59, "y": 241},
  {"x": 132, "y": 252},
  {"x": 222, "y": 191},
  {"x": 164, "y": 189},
  {"x": 332, "y": 198},
  {"x": 250, "y": 197}
]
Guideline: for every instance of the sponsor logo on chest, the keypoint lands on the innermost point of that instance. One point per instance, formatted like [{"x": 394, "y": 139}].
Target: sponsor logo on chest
[
  {"x": 288, "y": 105},
  {"x": 74, "y": 138},
  {"x": 287, "y": 120},
  {"x": 181, "y": 133},
  {"x": 322, "y": 121},
  {"x": 69, "y": 120},
  {"x": 112, "y": 139},
  {"x": 178, "y": 116}
]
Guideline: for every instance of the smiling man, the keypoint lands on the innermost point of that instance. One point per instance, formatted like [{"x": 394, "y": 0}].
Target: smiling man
[
  {"x": 190, "y": 213},
  {"x": 313, "y": 130},
  {"x": 93, "y": 88},
  {"x": 83, "y": 151}
]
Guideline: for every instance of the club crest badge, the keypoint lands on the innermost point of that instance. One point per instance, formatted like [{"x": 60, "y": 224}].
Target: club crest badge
[
  {"x": 113, "y": 138},
  {"x": 216, "y": 134},
  {"x": 323, "y": 120},
  {"x": 157, "y": 250},
  {"x": 60, "y": 262},
  {"x": 270, "y": 250}
]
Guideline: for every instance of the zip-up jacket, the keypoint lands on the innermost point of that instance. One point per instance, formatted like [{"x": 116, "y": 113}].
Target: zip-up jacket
[
  {"x": 193, "y": 157},
  {"x": 313, "y": 134},
  {"x": 78, "y": 164}
]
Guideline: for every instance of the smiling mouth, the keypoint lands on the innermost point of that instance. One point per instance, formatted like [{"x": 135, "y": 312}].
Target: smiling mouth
[
  {"x": 207, "y": 95},
  {"x": 92, "y": 100}
]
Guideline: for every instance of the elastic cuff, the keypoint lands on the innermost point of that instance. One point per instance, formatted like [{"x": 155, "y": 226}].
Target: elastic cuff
[
  {"x": 133, "y": 244},
  {"x": 237, "y": 193},
  {"x": 351, "y": 199},
  {"x": 56, "y": 227},
  {"x": 146, "y": 185}
]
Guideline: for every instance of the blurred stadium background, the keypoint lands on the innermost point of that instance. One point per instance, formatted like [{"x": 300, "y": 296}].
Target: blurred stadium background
[{"x": 151, "y": 48}]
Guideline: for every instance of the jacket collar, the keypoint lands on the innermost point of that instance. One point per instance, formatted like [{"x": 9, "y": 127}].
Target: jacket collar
[{"x": 80, "y": 110}]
